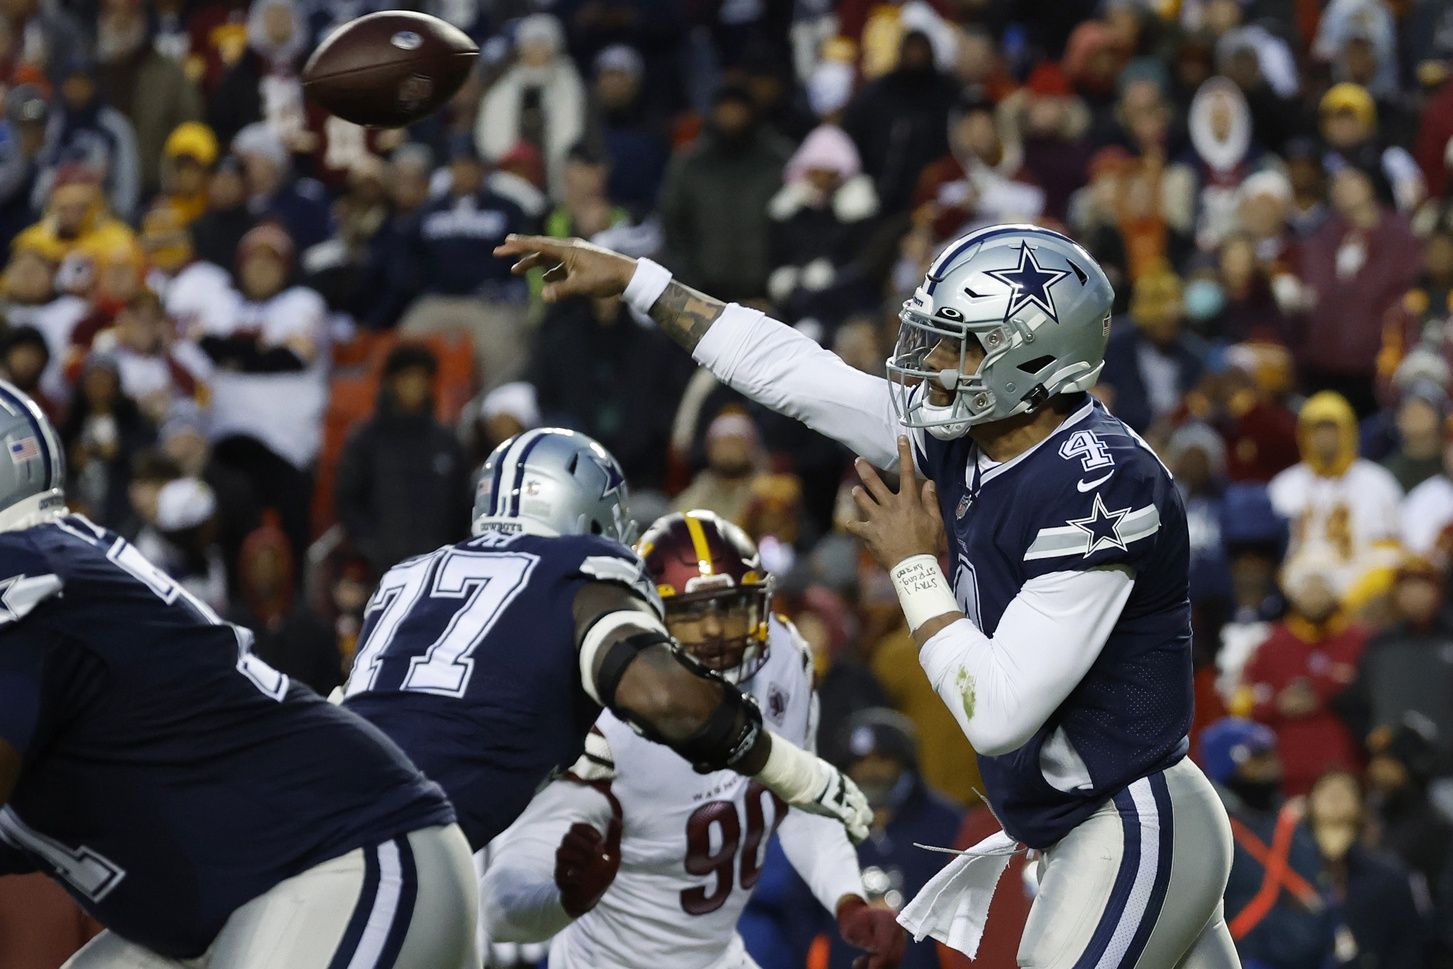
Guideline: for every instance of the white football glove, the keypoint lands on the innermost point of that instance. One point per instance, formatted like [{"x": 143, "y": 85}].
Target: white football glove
[{"x": 808, "y": 782}]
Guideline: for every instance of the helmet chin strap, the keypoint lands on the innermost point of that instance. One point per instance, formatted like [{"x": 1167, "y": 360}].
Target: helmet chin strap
[{"x": 943, "y": 426}]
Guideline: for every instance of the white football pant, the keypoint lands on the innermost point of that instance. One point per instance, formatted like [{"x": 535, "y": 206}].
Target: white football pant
[
  {"x": 1138, "y": 885},
  {"x": 408, "y": 903}
]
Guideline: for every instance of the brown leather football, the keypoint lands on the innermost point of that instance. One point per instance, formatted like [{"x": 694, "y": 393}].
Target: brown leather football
[{"x": 389, "y": 69}]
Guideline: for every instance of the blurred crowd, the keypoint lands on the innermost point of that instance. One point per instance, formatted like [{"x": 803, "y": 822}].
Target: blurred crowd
[{"x": 277, "y": 347}]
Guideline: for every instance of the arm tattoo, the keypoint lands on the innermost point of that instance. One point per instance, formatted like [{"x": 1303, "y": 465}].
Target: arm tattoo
[{"x": 685, "y": 314}]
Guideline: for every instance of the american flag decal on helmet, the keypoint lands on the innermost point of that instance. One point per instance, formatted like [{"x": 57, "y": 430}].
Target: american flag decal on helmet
[{"x": 24, "y": 449}]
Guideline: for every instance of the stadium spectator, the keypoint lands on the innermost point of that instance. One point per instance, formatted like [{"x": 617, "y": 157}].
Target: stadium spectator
[
  {"x": 273, "y": 192},
  {"x": 981, "y": 180},
  {"x": 1274, "y": 907},
  {"x": 879, "y": 749},
  {"x": 23, "y": 358},
  {"x": 1239, "y": 304},
  {"x": 844, "y": 684},
  {"x": 1294, "y": 677},
  {"x": 822, "y": 220},
  {"x": 1417, "y": 321},
  {"x": 217, "y": 231},
  {"x": 452, "y": 279},
  {"x": 270, "y": 385},
  {"x": 1223, "y": 153},
  {"x": 402, "y": 483},
  {"x": 21, "y": 146},
  {"x": 261, "y": 82},
  {"x": 289, "y": 636},
  {"x": 188, "y": 156},
  {"x": 1407, "y": 669},
  {"x": 76, "y": 217},
  {"x": 1435, "y": 136},
  {"x": 190, "y": 288},
  {"x": 715, "y": 197},
  {"x": 1343, "y": 508},
  {"x": 900, "y": 120},
  {"x": 85, "y": 129},
  {"x": 157, "y": 368},
  {"x": 1419, "y": 420},
  {"x": 733, "y": 459},
  {"x": 596, "y": 369},
  {"x": 142, "y": 83},
  {"x": 1403, "y": 758},
  {"x": 632, "y": 131},
  {"x": 103, "y": 431},
  {"x": 31, "y": 300},
  {"x": 1050, "y": 123},
  {"x": 1196, "y": 456},
  {"x": 1349, "y": 126},
  {"x": 586, "y": 207},
  {"x": 539, "y": 99},
  {"x": 1428, "y": 510},
  {"x": 181, "y": 540},
  {"x": 1370, "y": 896},
  {"x": 1153, "y": 362},
  {"x": 341, "y": 268}
]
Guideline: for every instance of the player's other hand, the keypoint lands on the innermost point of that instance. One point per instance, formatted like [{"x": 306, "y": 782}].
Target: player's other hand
[
  {"x": 585, "y": 864},
  {"x": 874, "y": 929},
  {"x": 896, "y": 525},
  {"x": 573, "y": 267},
  {"x": 839, "y": 798}
]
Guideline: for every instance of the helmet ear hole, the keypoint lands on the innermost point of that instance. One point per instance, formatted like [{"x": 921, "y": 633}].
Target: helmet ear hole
[{"x": 1037, "y": 364}]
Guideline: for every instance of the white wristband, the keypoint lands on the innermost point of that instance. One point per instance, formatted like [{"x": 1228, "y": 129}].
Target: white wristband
[
  {"x": 647, "y": 284},
  {"x": 923, "y": 591}
]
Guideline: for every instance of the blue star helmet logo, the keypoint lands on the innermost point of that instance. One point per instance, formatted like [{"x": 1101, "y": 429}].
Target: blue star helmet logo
[
  {"x": 1029, "y": 284},
  {"x": 1102, "y": 527},
  {"x": 613, "y": 477}
]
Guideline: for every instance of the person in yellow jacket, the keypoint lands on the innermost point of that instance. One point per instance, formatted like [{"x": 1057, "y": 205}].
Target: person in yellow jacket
[
  {"x": 1340, "y": 505},
  {"x": 76, "y": 219}
]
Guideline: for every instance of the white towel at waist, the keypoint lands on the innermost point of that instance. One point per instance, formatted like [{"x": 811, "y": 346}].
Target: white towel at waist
[{"x": 954, "y": 906}]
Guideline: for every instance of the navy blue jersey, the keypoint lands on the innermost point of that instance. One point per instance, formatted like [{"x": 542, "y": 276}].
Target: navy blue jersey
[
  {"x": 1093, "y": 494},
  {"x": 468, "y": 660},
  {"x": 168, "y": 775}
]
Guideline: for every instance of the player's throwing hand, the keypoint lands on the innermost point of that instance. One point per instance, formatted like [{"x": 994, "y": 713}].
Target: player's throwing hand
[
  {"x": 585, "y": 865},
  {"x": 573, "y": 267},
  {"x": 896, "y": 526}
]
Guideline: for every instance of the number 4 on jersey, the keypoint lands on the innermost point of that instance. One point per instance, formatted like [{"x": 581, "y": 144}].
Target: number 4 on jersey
[{"x": 1088, "y": 447}]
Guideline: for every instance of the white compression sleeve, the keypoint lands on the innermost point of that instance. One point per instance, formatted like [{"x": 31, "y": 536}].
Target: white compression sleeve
[
  {"x": 518, "y": 896},
  {"x": 821, "y": 853},
  {"x": 789, "y": 373},
  {"x": 1002, "y": 690}
]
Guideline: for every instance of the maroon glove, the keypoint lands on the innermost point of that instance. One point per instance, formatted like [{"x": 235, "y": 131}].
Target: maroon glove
[
  {"x": 875, "y": 929},
  {"x": 585, "y": 864}
]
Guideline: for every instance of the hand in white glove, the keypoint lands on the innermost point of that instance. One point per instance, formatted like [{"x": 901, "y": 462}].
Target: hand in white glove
[{"x": 808, "y": 782}]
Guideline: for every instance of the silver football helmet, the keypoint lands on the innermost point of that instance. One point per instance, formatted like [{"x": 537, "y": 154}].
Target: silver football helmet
[
  {"x": 1036, "y": 302},
  {"x": 33, "y": 467},
  {"x": 552, "y": 481}
]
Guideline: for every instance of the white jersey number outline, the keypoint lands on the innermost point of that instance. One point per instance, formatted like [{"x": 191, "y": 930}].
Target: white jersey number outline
[{"x": 482, "y": 583}]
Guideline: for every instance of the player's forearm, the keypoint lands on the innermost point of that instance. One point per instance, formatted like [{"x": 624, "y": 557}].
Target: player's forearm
[
  {"x": 788, "y": 372},
  {"x": 1003, "y": 689},
  {"x": 520, "y": 905},
  {"x": 685, "y": 314},
  {"x": 820, "y": 852}
]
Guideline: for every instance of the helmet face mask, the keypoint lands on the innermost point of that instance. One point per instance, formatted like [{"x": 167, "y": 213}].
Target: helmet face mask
[
  {"x": 725, "y": 631},
  {"x": 1038, "y": 308}
]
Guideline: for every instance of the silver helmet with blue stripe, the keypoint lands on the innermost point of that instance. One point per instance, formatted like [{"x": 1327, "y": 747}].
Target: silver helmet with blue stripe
[
  {"x": 553, "y": 481},
  {"x": 33, "y": 468},
  {"x": 1034, "y": 301}
]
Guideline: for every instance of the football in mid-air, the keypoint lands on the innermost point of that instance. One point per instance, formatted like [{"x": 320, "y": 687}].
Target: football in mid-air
[{"x": 389, "y": 69}]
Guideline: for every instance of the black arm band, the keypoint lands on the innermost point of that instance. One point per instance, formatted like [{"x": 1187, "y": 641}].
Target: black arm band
[
  {"x": 619, "y": 655},
  {"x": 728, "y": 734}
]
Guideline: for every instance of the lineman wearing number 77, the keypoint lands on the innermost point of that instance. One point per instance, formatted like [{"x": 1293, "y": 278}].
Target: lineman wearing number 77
[
  {"x": 1062, "y": 646},
  {"x": 488, "y": 661}
]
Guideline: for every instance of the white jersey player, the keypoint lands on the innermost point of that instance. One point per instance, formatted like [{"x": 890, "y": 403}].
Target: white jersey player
[
  {"x": 1062, "y": 644},
  {"x": 634, "y": 858}
]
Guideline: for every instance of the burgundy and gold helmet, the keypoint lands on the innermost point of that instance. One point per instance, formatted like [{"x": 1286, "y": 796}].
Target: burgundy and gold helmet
[{"x": 703, "y": 565}]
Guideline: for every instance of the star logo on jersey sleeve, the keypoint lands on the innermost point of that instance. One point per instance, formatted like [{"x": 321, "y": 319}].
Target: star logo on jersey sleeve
[
  {"x": 1029, "y": 284},
  {"x": 1102, "y": 527}
]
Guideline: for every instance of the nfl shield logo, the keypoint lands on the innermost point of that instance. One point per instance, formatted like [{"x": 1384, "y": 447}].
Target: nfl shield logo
[
  {"x": 776, "y": 703},
  {"x": 963, "y": 507}
]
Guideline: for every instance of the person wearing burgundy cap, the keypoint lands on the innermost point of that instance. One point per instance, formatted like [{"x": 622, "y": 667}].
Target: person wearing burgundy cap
[
  {"x": 1054, "y": 125},
  {"x": 271, "y": 383}
]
